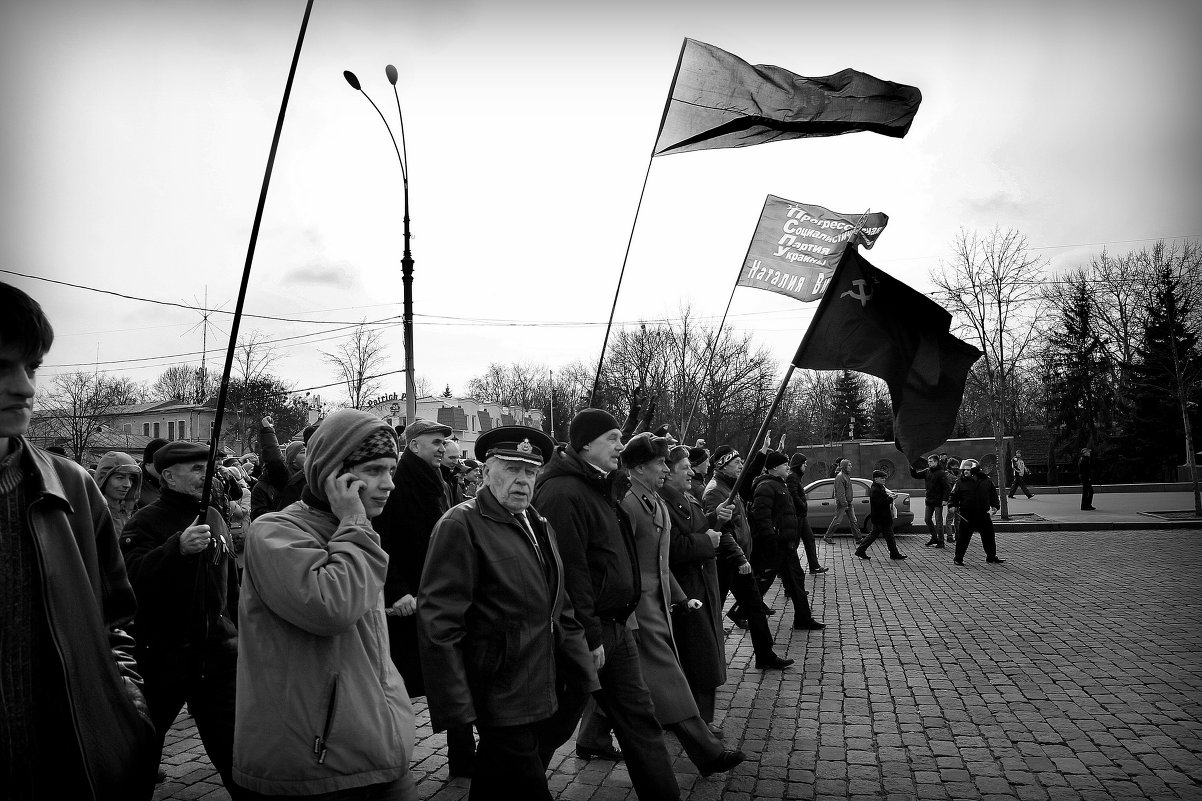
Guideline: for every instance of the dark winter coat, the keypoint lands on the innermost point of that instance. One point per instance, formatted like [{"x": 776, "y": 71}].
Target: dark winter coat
[
  {"x": 796, "y": 483},
  {"x": 719, "y": 488},
  {"x": 595, "y": 539},
  {"x": 773, "y": 511},
  {"x": 183, "y": 599},
  {"x": 269, "y": 489},
  {"x": 974, "y": 496},
  {"x": 493, "y": 618},
  {"x": 693, "y": 560},
  {"x": 935, "y": 480},
  {"x": 880, "y": 505},
  {"x": 417, "y": 500}
]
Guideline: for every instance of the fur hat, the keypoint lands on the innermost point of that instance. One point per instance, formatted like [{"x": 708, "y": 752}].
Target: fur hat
[
  {"x": 587, "y": 425},
  {"x": 644, "y": 448}
]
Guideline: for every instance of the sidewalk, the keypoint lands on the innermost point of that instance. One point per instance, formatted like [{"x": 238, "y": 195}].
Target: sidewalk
[
  {"x": 1072, "y": 671},
  {"x": 1049, "y": 511}
]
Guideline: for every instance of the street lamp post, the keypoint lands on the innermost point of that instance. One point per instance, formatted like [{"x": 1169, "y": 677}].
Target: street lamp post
[{"x": 402, "y": 155}]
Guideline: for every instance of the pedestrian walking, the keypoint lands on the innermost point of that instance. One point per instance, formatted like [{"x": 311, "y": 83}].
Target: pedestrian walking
[
  {"x": 777, "y": 538},
  {"x": 186, "y": 581},
  {"x": 881, "y": 511},
  {"x": 1085, "y": 473},
  {"x": 493, "y": 579},
  {"x": 795, "y": 481},
  {"x": 661, "y": 600},
  {"x": 1018, "y": 468},
  {"x": 74, "y": 723},
  {"x": 975, "y": 499},
  {"x": 844, "y": 512},
  {"x": 321, "y": 709},
  {"x": 580, "y": 493}
]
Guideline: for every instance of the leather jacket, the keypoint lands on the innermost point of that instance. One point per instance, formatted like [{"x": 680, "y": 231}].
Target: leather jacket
[{"x": 89, "y": 605}]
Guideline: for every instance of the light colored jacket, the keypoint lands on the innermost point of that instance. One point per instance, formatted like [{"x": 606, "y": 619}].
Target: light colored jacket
[
  {"x": 321, "y": 707},
  {"x": 842, "y": 490}
]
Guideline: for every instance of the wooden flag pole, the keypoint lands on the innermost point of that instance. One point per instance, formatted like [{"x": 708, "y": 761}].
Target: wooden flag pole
[
  {"x": 759, "y": 436},
  {"x": 605, "y": 342},
  {"x": 215, "y": 437}
]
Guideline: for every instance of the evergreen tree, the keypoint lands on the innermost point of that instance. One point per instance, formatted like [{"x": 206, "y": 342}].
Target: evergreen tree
[
  {"x": 1080, "y": 389},
  {"x": 880, "y": 423},
  {"x": 1166, "y": 377},
  {"x": 848, "y": 401}
]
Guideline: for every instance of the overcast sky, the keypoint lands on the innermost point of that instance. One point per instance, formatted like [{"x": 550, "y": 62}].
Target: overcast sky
[{"x": 135, "y": 134}]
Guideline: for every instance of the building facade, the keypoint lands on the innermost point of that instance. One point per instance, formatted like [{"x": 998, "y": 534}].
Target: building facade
[{"x": 467, "y": 418}]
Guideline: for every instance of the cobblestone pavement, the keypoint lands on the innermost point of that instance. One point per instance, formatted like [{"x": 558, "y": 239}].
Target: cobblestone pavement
[{"x": 1072, "y": 671}]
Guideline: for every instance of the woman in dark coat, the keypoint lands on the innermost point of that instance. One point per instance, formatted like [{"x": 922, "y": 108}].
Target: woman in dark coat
[{"x": 692, "y": 557}]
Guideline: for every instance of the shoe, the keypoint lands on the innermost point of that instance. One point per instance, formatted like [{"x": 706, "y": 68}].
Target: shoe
[
  {"x": 862, "y": 555},
  {"x": 1029, "y": 497},
  {"x": 958, "y": 562},
  {"x": 827, "y": 541},
  {"x": 940, "y": 545},
  {"x": 951, "y": 538},
  {"x": 769, "y": 611},
  {"x": 995, "y": 561},
  {"x": 716, "y": 731},
  {"x": 816, "y": 570},
  {"x": 459, "y": 770},
  {"x": 1088, "y": 508},
  {"x": 608, "y": 752},
  {"x": 897, "y": 556},
  {"x": 772, "y": 662},
  {"x": 932, "y": 541},
  {"x": 808, "y": 625},
  {"x": 722, "y": 763},
  {"x": 737, "y": 619}
]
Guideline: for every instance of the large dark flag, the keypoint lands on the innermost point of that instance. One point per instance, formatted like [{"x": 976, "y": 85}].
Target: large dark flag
[
  {"x": 870, "y": 322},
  {"x": 719, "y": 100}
]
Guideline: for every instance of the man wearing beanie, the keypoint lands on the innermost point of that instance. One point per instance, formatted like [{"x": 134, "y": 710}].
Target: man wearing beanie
[
  {"x": 795, "y": 480},
  {"x": 580, "y": 496},
  {"x": 321, "y": 708},
  {"x": 777, "y": 537},
  {"x": 186, "y": 582},
  {"x": 735, "y": 573}
]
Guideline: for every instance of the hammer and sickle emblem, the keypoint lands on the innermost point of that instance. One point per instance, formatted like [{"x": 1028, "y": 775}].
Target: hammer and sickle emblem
[{"x": 863, "y": 294}]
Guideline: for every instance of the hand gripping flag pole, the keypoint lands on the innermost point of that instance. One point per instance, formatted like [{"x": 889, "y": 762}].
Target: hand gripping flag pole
[{"x": 206, "y": 491}]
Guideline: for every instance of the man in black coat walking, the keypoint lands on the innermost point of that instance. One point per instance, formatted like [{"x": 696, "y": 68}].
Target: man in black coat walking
[{"x": 417, "y": 500}]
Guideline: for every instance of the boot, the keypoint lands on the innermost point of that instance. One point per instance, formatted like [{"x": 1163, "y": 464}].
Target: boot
[{"x": 932, "y": 541}]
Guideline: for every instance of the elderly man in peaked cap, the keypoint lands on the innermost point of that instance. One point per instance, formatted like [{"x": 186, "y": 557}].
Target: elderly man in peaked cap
[{"x": 493, "y": 579}]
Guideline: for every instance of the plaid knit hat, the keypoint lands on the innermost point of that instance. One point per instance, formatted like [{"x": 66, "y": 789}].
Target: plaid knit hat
[{"x": 379, "y": 444}]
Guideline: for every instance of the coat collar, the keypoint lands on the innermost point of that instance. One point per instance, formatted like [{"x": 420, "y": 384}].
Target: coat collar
[{"x": 42, "y": 465}]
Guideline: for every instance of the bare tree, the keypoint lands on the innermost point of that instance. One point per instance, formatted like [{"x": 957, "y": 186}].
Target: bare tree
[
  {"x": 183, "y": 382},
  {"x": 254, "y": 357},
  {"x": 75, "y": 407},
  {"x": 358, "y": 361},
  {"x": 991, "y": 287}
]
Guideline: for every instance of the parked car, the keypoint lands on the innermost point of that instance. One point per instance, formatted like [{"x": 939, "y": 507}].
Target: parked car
[{"x": 821, "y": 496}]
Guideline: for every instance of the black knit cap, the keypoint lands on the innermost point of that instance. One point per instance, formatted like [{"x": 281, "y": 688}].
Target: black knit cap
[
  {"x": 797, "y": 461},
  {"x": 152, "y": 447},
  {"x": 723, "y": 454},
  {"x": 697, "y": 456},
  {"x": 774, "y": 459},
  {"x": 587, "y": 425}
]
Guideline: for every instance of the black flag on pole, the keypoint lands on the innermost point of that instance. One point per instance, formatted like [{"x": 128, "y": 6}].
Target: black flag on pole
[{"x": 870, "y": 322}]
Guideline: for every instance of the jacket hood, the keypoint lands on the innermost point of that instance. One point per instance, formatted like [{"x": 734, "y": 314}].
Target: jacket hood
[
  {"x": 334, "y": 440},
  {"x": 117, "y": 462}
]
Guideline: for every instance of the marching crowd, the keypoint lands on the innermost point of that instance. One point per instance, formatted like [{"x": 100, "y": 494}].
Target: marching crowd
[{"x": 537, "y": 591}]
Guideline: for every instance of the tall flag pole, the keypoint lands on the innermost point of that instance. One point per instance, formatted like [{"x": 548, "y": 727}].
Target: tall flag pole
[
  {"x": 215, "y": 437},
  {"x": 718, "y": 100}
]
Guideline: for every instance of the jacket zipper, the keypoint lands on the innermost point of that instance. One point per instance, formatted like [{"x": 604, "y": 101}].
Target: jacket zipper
[{"x": 319, "y": 742}]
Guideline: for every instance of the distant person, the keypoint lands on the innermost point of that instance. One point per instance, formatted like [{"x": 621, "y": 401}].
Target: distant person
[
  {"x": 322, "y": 711},
  {"x": 74, "y": 723},
  {"x": 451, "y": 469},
  {"x": 975, "y": 499},
  {"x": 472, "y": 478},
  {"x": 493, "y": 573},
  {"x": 951, "y": 474},
  {"x": 294, "y": 460},
  {"x": 935, "y": 481},
  {"x": 1085, "y": 473},
  {"x": 1019, "y": 468},
  {"x": 150, "y": 487},
  {"x": 699, "y": 463},
  {"x": 274, "y": 471},
  {"x": 881, "y": 515},
  {"x": 844, "y": 511},
  {"x": 120, "y": 480}
]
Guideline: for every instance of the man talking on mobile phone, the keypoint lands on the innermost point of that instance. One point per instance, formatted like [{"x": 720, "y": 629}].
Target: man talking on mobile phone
[{"x": 321, "y": 708}]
